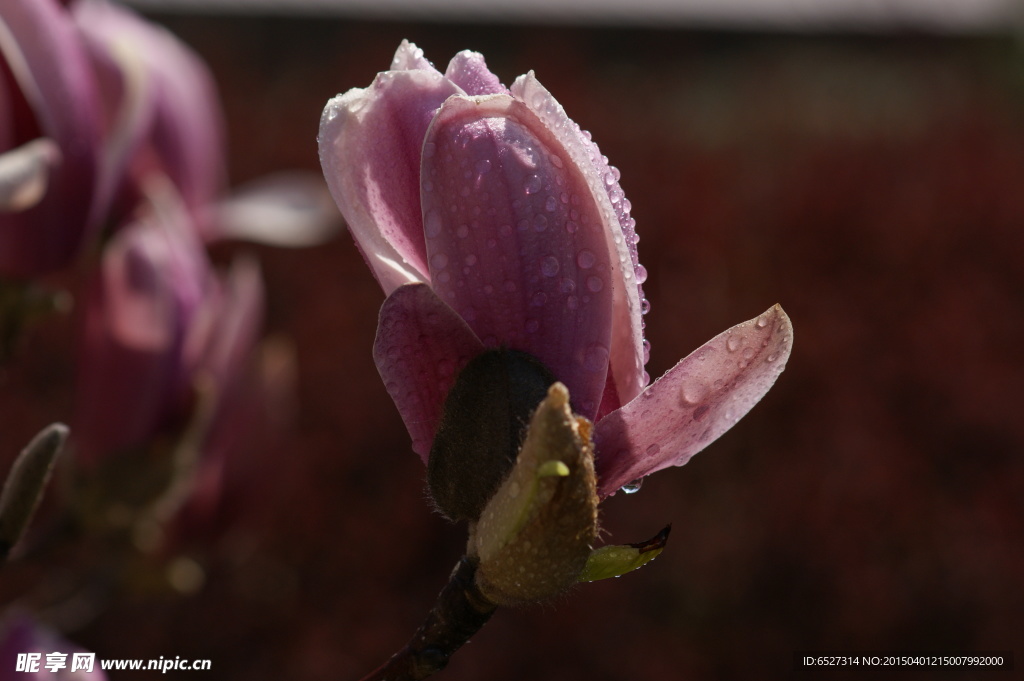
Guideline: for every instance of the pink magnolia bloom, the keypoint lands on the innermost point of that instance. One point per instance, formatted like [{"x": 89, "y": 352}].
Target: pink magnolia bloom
[
  {"x": 492, "y": 220},
  {"x": 157, "y": 319}
]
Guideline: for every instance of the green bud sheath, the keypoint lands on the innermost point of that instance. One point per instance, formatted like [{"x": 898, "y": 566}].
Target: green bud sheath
[{"x": 535, "y": 535}]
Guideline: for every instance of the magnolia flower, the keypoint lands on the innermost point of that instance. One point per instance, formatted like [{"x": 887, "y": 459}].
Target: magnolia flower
[
  {"x": 491, "y": 221},
  {"x": 158, "y": 326}
]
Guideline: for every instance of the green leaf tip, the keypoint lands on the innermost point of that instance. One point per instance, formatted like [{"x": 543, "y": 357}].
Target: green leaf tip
[{"x": 615, "y": 560}]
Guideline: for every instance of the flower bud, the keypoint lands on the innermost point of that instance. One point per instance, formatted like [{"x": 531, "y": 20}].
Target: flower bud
[
  {"x": 481, "y": 429},
  {"x": 535, "y": 535}
]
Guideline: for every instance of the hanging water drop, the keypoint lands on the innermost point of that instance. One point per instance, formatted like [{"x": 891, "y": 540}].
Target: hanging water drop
[{"x": 633, "y": 487}]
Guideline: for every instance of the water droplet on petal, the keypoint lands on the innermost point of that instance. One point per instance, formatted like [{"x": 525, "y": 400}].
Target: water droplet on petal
[
  {"x": 571, "y": 226},
  {"x": 762, "y": 321},
  {"x": 429, "y": 149},
  {"x": 596, "y": 357},
  {"x": 462, "y": 231},
  {"x": 550, "y": 204},
  {"x": 549, "y": 266},
  {"x": 595, "y": 284},
  {"x": 432, "y": 224},
  {"x": 439, "y": 261},
  {"x": 633, "y": 487},
  {"x": 732, "y": 343},
  {"x": 692, "y": 392},
  {"x": 645, "y": 306},
  {"x": 586, "y": 259},
  {"x": 641, "y": 274},
  {"x": 532, "y": 184}
]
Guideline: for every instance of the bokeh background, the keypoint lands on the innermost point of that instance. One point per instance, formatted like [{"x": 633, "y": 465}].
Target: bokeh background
[{"x": 871, "y": 183}]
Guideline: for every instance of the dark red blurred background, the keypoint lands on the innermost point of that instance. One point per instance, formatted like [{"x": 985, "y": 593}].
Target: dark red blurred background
[{"x": 874, "y": 186}]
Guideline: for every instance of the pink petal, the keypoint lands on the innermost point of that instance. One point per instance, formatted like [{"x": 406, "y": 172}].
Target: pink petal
[
  {"x": 25, "y": 172},
  {"x": 165, "y": 96},
  {"x": 696, "y": 401},
  {"x": 43, "y": 52},
  {"x": 408, "y": 57},
  {"x": 469, "y": 71},
  {"x": 421, "y": 347},
  {"x": 286, "y": 209},
  {"x": 370, "y": 145},
  {"x": 626, "y": 349},
  {"x": 516, "y": 241}
]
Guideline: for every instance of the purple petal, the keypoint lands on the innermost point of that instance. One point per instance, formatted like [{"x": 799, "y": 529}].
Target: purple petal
[
  {"x": 167, "y": 98},
  {"x": 48, "y": 62},
  {"x": 696, "y": 401},
  {"x": 626, "y": 350},
  {"x": 421, "y": 347},
  {"x": 469, "y": 71},
  {"x": 370, "y": 145},
  {"x": 516, "y": 241}
]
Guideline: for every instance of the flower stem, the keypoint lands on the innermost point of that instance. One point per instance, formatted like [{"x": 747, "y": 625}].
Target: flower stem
[{"x": 460, "y": 611}]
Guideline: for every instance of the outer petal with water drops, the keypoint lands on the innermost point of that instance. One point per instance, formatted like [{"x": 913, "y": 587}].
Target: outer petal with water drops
[{"x": 694, "y": 403}]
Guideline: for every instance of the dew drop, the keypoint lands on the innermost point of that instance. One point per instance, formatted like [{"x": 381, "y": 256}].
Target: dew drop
[
  {"x": 645, "y": 306},
  {"x": 633, "y": 487},
  {"x": 549, "y": 266},
  {"x": 462, "y": 231},
  {"x": 748, "y": 353},
  {"x": 586, "y": 259},
  {"x": 550, "y": 204},
  {"x": 571, "y": 227},
  {"x": 568, "y": 285},
  {"x": 572, "y": 302},
  {"x": 772, "y": 357},
  {"x": 641, "y": 273},
  {"x": 556, "y": 161},
  {"x": 470, "y": 260},
  {"x": 539, "y": 299},
  {"x": 428, "y": 186},
  {"x": 540, "y": 223},
  {"x": 439, "y": 261},
  {"x": 429, "y": 149},
  {"x": 483, "y": 166},
  {"x": 532, "y": 184},
  {"x": 732, "y": 343},
  {"x": 595, "y": 284},
  {"x": 762, "y": 321},
  {"x": 692, "y": 392},
  {"x": 647, "y": 351},
  {"x": 596, "y": 357},
  {"x": 432, "y": 224}
]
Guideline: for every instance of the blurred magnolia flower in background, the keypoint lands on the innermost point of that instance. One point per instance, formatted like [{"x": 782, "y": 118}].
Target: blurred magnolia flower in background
[{"x": 492, "y": 220}]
